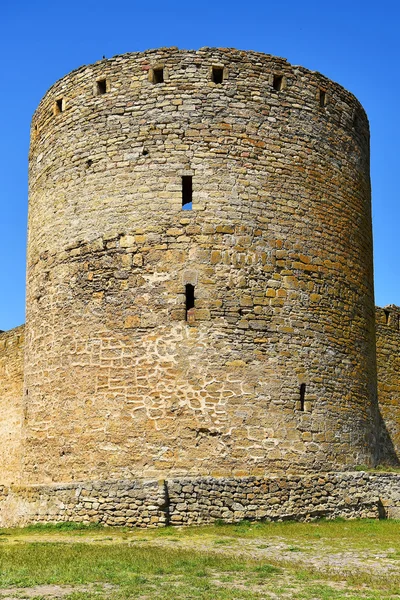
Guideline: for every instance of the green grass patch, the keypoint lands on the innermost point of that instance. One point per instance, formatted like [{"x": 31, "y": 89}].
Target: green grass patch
[
  {"x": 218, "y": 562},
  {"x": 150, "y": 570},
  {"x": 64, "y": 526},
  {"x": 377, "y": 469}
]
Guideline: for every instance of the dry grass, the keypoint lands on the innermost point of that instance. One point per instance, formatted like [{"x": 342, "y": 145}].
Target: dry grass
[{"x": 330, "y": 560}]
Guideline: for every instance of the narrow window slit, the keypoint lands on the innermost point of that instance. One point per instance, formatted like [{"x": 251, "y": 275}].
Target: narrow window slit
[
  {"x": 59, "y": 106},
  {"x": 101, "y": 87},
  {"x": 387, "y": 315},
  {"x": 322, "y": 98},
  {"x": 158, "y": 75},
  {"x": 187, "y": 192},
  {"x": 217, "y": 74},
  {"x": 302, "y": 396},
  {"x": 189, "y": 298},
  {"x": 277, "y": 82}
]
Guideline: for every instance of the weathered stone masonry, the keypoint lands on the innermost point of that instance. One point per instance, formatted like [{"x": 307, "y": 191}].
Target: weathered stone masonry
[
  {"x": 388, "y": 359},
  {"x": 277, "y": 246},
  {"x": 11, "y": 403},
  {"x": 193, "y": 501},
  {"x": 199, "y": 291}
]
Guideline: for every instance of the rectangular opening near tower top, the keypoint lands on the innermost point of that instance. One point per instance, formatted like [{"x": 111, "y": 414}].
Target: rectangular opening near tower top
[
  {"x": 58, "y": 106},
  {"x": 101, "y": 87},
  {"x": 277, "y": 82},
  {"x": 217, "y": 74},
  {"x": 158, "y": 75},
  {"x": 187, "y": 192}
]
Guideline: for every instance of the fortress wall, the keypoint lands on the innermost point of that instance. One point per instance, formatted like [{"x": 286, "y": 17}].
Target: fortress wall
[
  {"x": 11, "y": 410},
  {"x": 274, "y": 370},
  {"x": 196, "y": 501},
  {"x": 388, "y": 360}
]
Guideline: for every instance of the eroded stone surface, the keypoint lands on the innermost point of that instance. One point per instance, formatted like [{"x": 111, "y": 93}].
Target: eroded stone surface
[
  {"x": 273, "y": 370},
  {"x": 388, "y": 357},
  {"x": 277, "y": 245},
  {"x": 11, "y": 403},
  {"x": 195, "y": 501}
]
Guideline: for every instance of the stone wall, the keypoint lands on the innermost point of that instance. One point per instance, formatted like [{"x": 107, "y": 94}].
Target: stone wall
[
  {"x": 203, "y": 500},
  {"x": 273, "y": 369},
  {"x": 296, "y": 497},
  {"x": 129, "y": 503},
  {"x": 11, "y": 409},
  {"x": 388, "y": 360}
]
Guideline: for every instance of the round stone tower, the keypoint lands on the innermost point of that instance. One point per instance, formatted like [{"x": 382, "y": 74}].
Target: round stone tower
[{"x": 200, "y": 295}]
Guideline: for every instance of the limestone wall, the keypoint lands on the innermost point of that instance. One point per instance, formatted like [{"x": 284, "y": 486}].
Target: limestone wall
[
  {"x": 388, "y": 360},
  {"x": 129, "y": 503},
  {"x": 203, "y": 500},
  {"x": 11, "y": 410},
  {"x": 329, "y": 495},
  {"x": 274, "y": 368}
]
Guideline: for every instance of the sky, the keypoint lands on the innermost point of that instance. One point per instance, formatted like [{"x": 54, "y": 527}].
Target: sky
[{"x": 353, "y": 42}]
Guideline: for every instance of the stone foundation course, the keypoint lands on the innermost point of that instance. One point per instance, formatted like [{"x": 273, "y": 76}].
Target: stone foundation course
[{"x": 202, "y": 500}]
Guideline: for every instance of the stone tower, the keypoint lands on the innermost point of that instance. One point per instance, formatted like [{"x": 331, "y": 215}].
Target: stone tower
[{"x": 200, "y": 293}]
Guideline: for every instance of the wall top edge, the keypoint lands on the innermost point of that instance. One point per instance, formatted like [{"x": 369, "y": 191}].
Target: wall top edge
[
  {"x": 14, "y": 331},
  {"x": 222, "y": 54},
  {"x": 145, "y": 482}
]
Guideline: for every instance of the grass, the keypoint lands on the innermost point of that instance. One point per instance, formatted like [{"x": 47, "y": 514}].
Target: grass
[
  {"x": 151, "y": 572},
  {"x": 378, "y": 469},
  {"x": 323, "y": 560}
]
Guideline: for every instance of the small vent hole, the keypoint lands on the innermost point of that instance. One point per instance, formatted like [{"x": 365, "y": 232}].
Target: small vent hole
[
  {"x": 277, "y": 82},
  {"x": 101, "y": 87},
  {"x": 189, "y": 296},
  {"x": 89, "y": 162},
  {"x": 158, "y": 75},
  {"x": 217, "y": 74},
  {"x": 145, "y": 152},
  {"x": 187, "y": 192},
  {"x": 302, "y": 396}
]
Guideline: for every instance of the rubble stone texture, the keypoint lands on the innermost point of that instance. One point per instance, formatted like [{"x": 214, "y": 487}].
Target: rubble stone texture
[
  {"x": 277, "y": 246},
  {"x": 199, "y": 281},
  {"x": 193, "y": 501},
  {"x": 11, "y": 403},
  {"x": 388, "y": 358}
]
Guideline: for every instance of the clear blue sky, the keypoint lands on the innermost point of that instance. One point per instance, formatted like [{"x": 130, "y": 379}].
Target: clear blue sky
[{"x": 353, "y": 42}]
